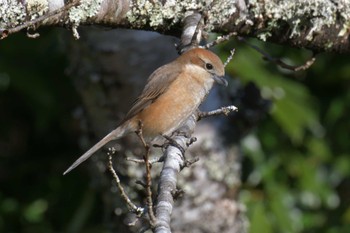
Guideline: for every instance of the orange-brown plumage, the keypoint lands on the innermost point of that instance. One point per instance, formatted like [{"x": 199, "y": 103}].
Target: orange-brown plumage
[{"x": 172, "y": 93}]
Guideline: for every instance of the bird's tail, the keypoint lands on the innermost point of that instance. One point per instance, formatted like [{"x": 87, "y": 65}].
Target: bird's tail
[{"x": 115, "y": 134}]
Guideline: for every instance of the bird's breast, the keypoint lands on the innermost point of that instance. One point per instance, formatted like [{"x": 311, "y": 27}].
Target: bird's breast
[{"x": 171, "y": 109}]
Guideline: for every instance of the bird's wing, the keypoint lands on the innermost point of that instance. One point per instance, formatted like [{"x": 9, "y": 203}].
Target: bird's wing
[{"x": 157, "y": 84}]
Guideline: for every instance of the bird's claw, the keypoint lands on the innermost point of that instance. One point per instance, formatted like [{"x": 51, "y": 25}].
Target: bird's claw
[{"x": 174, "y": 143}]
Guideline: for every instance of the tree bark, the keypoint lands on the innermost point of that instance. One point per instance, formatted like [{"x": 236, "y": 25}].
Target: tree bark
[{"x": 319, "y": 25}]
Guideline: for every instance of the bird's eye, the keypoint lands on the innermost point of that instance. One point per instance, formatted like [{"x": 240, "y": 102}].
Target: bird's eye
[{"x": 209, "y": 66}]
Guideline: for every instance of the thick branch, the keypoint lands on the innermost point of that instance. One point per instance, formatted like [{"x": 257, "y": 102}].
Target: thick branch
[
  {"x": 173, "y": 162},
  {"x": 319, "y": 25}
]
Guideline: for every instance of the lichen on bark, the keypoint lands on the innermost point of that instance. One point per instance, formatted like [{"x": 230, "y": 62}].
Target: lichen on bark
[
  {"x": 315, "y": 14},
  {"x": 156, "y": 13},
  {"x": 12, "y": 14},
  {"x": 87, "y": 9}
]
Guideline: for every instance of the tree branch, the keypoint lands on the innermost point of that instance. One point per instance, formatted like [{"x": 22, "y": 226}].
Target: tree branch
[
  {"x": 318, "y": 25},
  {"x": 5, "y": 32},
  {"x": 132, "y": 207},
  {"x": 148, "y": 186},
  {"x": 278, "y": 61},
  {"x": 221, "y": 111},
  {"x": 173, "y": 162}
]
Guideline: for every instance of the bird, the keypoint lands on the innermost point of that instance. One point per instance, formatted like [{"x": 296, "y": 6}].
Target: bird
[{"x": 173, "y": 92}]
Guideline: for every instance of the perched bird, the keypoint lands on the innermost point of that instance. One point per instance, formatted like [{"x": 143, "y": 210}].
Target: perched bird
[{"x": 172, "y": 93}]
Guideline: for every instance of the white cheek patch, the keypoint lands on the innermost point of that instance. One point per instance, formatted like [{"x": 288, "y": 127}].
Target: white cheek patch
[{"x": 202, "y": 76}]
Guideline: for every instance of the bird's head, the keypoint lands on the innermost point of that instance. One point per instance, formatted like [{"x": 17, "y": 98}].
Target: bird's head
[{"x": 208, "y": 61}]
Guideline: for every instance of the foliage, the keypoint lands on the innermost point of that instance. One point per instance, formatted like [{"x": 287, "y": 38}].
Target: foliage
[{"x": 297, "y": 162}]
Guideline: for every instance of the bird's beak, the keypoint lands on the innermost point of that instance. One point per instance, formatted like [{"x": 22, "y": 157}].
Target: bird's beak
[{"x": 221, "y": 80}]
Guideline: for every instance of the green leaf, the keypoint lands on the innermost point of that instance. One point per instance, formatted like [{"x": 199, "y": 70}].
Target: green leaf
[
  {"x": 35, "y": 211},
  {"x": 259, "y": 220}
]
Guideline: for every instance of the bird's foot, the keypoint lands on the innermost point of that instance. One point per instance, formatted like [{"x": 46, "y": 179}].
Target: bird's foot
[{"x": 174, "y": 143}]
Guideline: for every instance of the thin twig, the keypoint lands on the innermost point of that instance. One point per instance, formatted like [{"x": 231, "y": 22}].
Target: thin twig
[
  {"x": 220, "y": 39},
  {"x": 191, "y": 141},
  {"x": 278, "y": 61},
  {"x": 188, "y": 163},
  {"x": 6, "y": 32},
  {"x": 178, "y": 193},
  {"x": 306, "y": 65},
  {"x": 149, "y": 189},
  {"x": 152, "y": 218},
  {"x": 229, "y": 58},
  {"x": 151, "y": 161},
  {"x": 32, "y": 35},
  {"x": 224, "y": 110},
  {"x": 139, "y": 133},
  {"x": 137, "y": 210}
]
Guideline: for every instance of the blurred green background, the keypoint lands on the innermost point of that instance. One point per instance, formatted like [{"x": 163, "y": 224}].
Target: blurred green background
[{"x": 296, "y": 165}]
